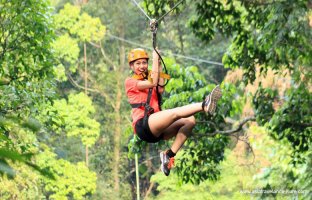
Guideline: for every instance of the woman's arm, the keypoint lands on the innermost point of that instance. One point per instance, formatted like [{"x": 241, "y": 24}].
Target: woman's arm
[
  {"x": 155, "y": 69},
  {"x": 154, "y": 75},
  {"x": 161, "y": 80}
]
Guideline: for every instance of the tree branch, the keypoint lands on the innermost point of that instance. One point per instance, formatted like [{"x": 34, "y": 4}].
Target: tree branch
[
  {"x": 246, "y": 141},
  {"x": 107, "y": 59},
  {"x": 149, "y": 190},
  {"x": 101, "y": 92},
  {"x": 145, "y": 161},
  {"x": 74, "y": 83},
  {"x": 229, "y": 132}
]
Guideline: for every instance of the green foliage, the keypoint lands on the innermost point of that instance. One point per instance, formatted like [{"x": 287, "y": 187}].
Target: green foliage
[
  {"x": 135, "y": 146},
  {"x": 268, "y": 35},
  {"x": 232, "y": 102},
  {"x": 263, "y": 102},
  {"x": 27, "y": 23},
  {"x": 25, "y": 185},
  {"x": 235, "y": 177},
  {"x": 74, "y": 27},
  {"x": 293, "y": 121},
  {"x": 83, "y": 26},
  {"x": 67, "y": 50},
  {"x": 12, "y": 155},
  {"x": 72, "y": 181},
  {"x": 282, "y": 174},
  {"x": 201, "y": 159},
  {"x": 158, "y": 8},
  {"x": 26, "y": 60},
  {"x": 270, "y": 169},
  {"x": 169, "y": 188},
  {"x": 76, "y": 114},
  {"x": 215, "y": 16}
]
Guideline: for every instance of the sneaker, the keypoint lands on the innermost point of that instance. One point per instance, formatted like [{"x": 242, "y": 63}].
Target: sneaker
[
  {"x": 210, "y": 103},
  {"x": 166, "y": 163}
]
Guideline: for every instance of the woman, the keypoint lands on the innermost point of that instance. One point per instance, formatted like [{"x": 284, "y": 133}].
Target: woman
[{"x": 160, "y": 125}]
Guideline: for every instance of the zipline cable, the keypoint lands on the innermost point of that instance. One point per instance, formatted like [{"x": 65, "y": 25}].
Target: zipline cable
[
  {"x": 170, "y": 10},
  {"x": 173, "y": 54},
  {"x": 141, "y": 9}
]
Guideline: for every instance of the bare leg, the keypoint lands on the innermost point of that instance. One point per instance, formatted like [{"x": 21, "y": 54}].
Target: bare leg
[
  {"x": 160, "y": 121},
  {"x": 181, "y": 129}
]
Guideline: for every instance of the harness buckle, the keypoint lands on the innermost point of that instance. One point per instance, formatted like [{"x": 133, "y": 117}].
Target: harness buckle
[{"x": 148, "y": 109}]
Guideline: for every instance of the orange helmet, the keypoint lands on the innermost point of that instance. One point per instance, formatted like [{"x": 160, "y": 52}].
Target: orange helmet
[{"x": 135, "y": 54}]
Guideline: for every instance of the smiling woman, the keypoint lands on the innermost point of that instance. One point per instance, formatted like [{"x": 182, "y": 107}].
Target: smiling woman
[{"x": 151, "y": 124}]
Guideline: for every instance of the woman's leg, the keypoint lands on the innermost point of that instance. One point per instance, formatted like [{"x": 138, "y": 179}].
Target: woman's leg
[
  {"x": 180, "y": 129},
  {"x": 160, "y": 121}
]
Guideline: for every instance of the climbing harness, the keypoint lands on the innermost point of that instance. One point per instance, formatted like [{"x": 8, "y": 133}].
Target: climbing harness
[{"x": 148, "y": 110}]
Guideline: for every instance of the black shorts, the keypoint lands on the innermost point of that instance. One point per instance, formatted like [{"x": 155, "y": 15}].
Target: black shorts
[{"x": 144, "y": 132}]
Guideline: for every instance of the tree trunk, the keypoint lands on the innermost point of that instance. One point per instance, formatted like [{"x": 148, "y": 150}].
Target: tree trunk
[
  {"x": 117, "y": 136},
  {"x": 180, "y": 33},
  {"x": 86, "y": 91},
  {"x": 118, "y": 121}
]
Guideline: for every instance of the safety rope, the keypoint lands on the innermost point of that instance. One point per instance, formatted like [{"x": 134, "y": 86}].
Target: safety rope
[{"x": 154, "y": 27}]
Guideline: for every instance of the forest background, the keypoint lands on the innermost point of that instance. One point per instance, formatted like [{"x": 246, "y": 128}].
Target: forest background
[{"x": 65, "y": 123}]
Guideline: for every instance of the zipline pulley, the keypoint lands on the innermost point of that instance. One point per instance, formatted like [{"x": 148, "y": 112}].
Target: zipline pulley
[{"x": 154, "y": 27}]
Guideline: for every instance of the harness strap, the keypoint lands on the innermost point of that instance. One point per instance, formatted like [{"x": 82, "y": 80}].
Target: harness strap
[
  {"x": 137, "y": 105},
  {"x": 148, "y": 109}
]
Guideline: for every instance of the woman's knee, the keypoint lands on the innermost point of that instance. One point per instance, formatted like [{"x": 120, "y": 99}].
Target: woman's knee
[
  {"x": 174, "y": 116},
  {"x": 191, "y": 121}
]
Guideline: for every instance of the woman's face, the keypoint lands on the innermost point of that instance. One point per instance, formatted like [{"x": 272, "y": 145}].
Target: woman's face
[{"x": 139, "y": 66}]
